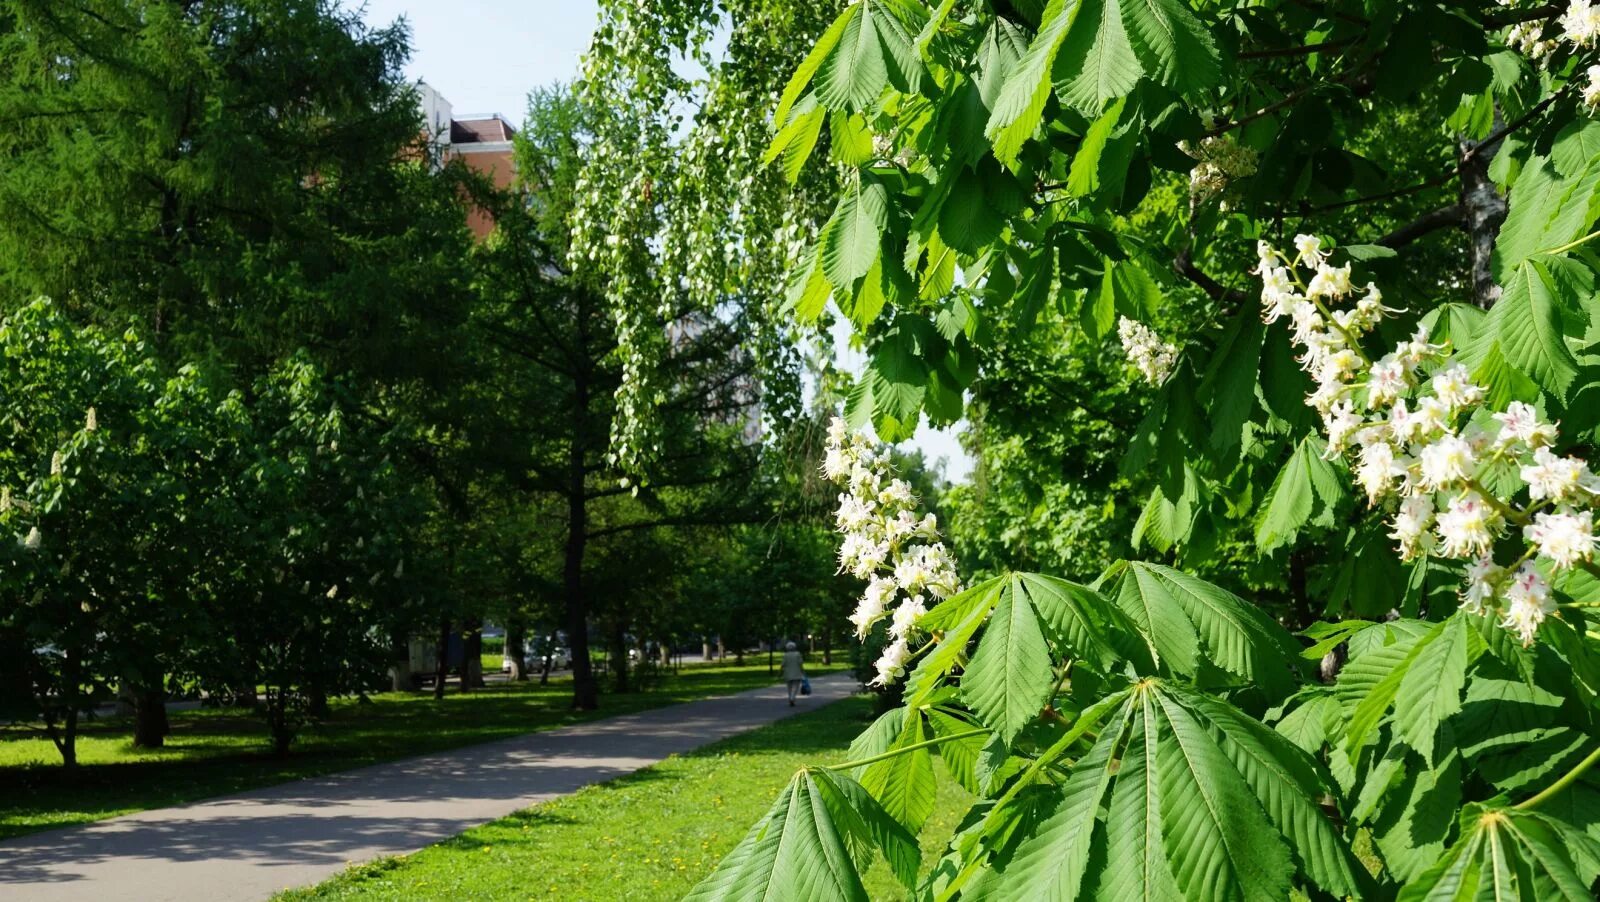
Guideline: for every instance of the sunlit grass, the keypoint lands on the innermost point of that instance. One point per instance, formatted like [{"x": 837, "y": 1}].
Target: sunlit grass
[
  {"x": 216, "y": 752},
  {"x": 650, "y": 835}
]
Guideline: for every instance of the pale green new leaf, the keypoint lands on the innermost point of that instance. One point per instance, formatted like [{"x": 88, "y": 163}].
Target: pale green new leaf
[{"x": 1010, "y": 676}]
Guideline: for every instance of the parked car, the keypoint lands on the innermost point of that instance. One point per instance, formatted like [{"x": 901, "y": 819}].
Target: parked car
[{"x": 534, "y": 655}]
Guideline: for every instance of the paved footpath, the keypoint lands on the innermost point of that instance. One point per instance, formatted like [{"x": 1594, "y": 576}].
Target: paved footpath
[{"x": 251, "y": 845}]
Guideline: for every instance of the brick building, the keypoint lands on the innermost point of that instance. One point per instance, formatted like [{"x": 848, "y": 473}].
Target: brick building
[{"x": 483, "y": 142}]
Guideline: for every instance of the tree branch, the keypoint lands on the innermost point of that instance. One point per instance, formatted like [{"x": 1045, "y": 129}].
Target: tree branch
[{"x": 1425, "y": 224}]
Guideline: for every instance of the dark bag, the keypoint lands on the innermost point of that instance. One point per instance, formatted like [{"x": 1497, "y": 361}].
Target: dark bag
[{"x": 805, "y": 686}]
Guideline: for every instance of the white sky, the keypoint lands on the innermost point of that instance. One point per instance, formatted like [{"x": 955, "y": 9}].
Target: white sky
[{"x": 484, "y": 56}]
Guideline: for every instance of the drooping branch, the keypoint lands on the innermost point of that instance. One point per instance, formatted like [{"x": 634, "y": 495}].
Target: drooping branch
[{"x": 1427, "y": 223}]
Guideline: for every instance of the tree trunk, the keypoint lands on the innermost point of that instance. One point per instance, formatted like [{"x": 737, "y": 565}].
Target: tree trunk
[
  {"x": 1484, "y": 210},
  {"x": 442, "y": 665},
  {"x": 827, "y": 646},
  {"x": 585, "y": 691},
  {"x": 317, "y": 701},
  {"x": 150, "y": 724},
  {"x": 619, "y": 656},
  {"x": 472, "y": 659},
  {"x": 517, "y": 650},
  {"x": 400, "y": 678}
]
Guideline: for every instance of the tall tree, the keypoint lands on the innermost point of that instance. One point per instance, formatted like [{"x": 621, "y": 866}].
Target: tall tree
[{"x": 553, "y": 337}]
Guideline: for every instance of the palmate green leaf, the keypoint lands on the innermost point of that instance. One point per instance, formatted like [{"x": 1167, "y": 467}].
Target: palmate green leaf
[
  {"x": 1096, "y": 62},
  {"x": 1010, "y": 676},
  {"x": 868, "y": 829},
  {"x": 1504, "y": 853},
  {"x": 905, "y": 784},
  {"x": 1370, "y": 681},
  {"x": 808, "y": 67},
  {"x": 1084, "y": 175},
  {"x": 1091, "y": 628},
  {"x": 1182, "y": 616},
  {"x": 852, "y": 238},
  {"x": 1218, "y": 840},
  {"x": 1287, "y": 786},
  {"x": 1136, "y": 855},
  {"x": 966, "y": 220},
  {"x": 1019, "y": 108},
  {"x": 958, "y": 619},
  {"x": 1527, "y": 325},
  {"x": 854, "y": 73},
  {"x": 899, "y": 383},
  {"x": 1049, "y": 864},
  {"x": 961, "y": 756},
  {"x": 808, "y": 291},
  {"x": 1415, "y": 821},
  {"x": 796, "y": 852},
  {"x": 1182, "y": 796},
  {"x": 1174, "y": 47},
  {"x": 1305, "y": 490},
  {"x": 1430, "y": 689},
  {"x": 1546, "y": 210}
]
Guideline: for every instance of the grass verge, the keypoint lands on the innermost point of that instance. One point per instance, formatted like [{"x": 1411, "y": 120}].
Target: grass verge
[
  {"x": 217, "y": 752},
  {"x": 649, "y": 835}
]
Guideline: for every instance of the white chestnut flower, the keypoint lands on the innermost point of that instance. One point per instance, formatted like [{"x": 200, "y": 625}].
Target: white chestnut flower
[
  {"x": 1467, "y": 527},
  {"x": 1152, "y": 357},
  {"x": 32, "y": 540},
  {"x": 1520, "y": 426},
  {"x": 906, "y": 616},
  {"x": 91, "y": 422},
  {"x": 1483, "y": 577},
  {"x": 1563, "y": 538},
  {"x": 1379, "y": 469},
  {"x": 1559, "y": 479},
  {"x": 1330, "y": 282},
  {"x": 1529, "y": 603},
  {"x": 1309, "y": 248},
  {"x": 1453, "y": 387},
  {"x": 892, "y": 664},
  {"x": 1445, "y": 463},
  {"x": 1580, "y": 24},
  {"x": 1411, "y": 525},
  {"x": 1387, "y": 381}
]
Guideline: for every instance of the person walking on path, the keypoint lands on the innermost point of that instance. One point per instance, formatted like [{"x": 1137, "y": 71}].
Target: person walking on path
[{"x": 794, "y": 670}]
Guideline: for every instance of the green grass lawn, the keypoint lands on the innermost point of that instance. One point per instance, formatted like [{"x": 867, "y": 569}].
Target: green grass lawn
[
  {"x": 650, "y": 835},
  {"x": 216, "y": 752}
]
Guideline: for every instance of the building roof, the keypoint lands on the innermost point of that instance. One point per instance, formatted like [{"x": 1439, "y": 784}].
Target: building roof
[{"x": 476, "y": 129}]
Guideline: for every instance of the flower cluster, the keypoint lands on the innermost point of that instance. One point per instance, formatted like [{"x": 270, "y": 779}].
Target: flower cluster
[
  {"x": 1151, "y": 356},
  {"x": 1580, "y": 24},
  {"x": 1425, "y": 442},
  {"x": 1219, "y": 161},
  {"x": 885, "y": 543}
]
